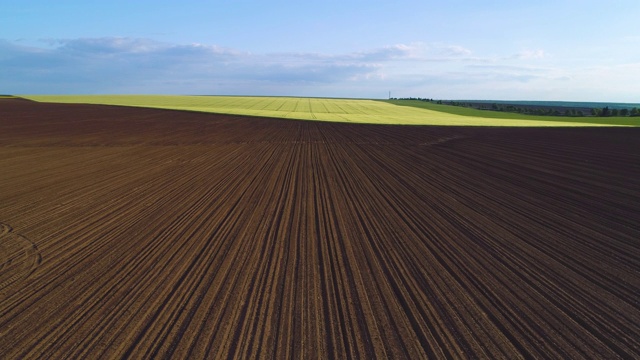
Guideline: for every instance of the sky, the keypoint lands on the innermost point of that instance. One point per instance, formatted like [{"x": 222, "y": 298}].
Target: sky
[{"x": 562, "y": 50}]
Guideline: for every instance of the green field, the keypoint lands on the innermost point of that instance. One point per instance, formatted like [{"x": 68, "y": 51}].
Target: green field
[
  {"x": 465, "y": 111},
  {"x": 322, "y": 109}
]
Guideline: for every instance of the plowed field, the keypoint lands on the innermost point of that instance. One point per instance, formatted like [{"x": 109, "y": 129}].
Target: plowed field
[{"x": 131, "y": 232}]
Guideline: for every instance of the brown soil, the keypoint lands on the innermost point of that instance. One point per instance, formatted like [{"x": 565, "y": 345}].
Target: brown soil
[{"x": 149, "y": 233}]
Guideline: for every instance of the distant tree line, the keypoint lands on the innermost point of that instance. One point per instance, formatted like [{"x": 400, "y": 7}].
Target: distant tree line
[
  {"x": 534, "y": 110},
  {"x": 605, "y": 111}
]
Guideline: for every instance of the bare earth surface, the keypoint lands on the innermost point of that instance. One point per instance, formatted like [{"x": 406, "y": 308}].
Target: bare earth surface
[{"x": 149, "y": 233}]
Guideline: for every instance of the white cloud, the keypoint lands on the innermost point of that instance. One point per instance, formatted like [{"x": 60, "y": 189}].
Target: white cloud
[
  {"x": 455, "y": 50},
  {"x": 108, "y": 46},
  {"x": 530, "y": 54},
  {"x": 434, "y": 52},
  {"x": 436, "y": 70},
  {"x": 105, "y": 65}
]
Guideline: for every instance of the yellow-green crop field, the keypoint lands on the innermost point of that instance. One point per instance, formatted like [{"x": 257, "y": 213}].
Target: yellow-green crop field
[{"x": 321, "y": 109}]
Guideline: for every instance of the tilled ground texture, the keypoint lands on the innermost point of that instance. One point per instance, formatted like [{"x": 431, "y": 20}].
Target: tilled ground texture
[{"x": 149, "y": 233}]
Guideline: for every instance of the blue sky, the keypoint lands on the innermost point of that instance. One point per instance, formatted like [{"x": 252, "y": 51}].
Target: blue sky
[{"x": 508, "y": 50}]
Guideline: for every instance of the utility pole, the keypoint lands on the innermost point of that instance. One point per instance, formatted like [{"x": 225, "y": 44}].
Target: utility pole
[{"x": 389, "y": 94}]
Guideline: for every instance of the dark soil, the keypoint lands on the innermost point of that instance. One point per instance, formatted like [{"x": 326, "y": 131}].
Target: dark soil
[{"x": 147, "y": 233}]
